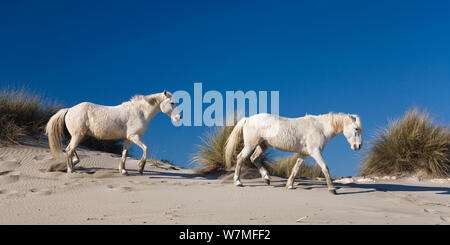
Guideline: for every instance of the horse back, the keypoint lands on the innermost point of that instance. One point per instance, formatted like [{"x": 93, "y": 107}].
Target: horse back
[
  {"x": 102, "y": 122},
  {"x": 286, "y": 134}
]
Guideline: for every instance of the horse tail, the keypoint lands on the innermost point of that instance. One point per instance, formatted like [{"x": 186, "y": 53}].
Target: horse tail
[
  {"x": 55, "y": 132},
  {"x": 232, "y": 141}
]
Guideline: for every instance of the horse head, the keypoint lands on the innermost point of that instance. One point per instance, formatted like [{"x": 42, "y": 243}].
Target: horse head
[
  {"x": 169, "y": 107},
  {"x": 353, "y": 132}
]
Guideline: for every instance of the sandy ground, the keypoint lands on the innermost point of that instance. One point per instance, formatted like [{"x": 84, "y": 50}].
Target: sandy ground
[{"x": 98, "y": 194}]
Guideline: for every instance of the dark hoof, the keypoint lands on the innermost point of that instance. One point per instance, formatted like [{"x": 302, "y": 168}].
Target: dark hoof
[
  {"x": 141, "y": 170},
  {"x": 333, "y": 192},
  {"x": 267, "y": 181},
  {"x": 238, "y": 184}
]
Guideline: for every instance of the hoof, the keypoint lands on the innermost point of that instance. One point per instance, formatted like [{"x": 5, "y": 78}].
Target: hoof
[
  {"x": 290, "y": 187},
  {"x": 267, "y": 181},
  {"x": 141, "y": 168},
  {"x": 238, "y": 184},
  {"x": 333, "y": 192},
  {"x": 124, "y": 172}
]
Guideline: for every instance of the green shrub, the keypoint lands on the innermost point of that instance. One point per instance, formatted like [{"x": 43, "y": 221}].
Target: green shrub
[{"x": 412, "y": 145}]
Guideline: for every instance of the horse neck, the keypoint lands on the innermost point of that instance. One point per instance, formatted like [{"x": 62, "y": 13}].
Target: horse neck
[
  {"x": 333, "y": 124},
  {"x": 155, "y": 109},
  {"x": 149, "y": 110}
]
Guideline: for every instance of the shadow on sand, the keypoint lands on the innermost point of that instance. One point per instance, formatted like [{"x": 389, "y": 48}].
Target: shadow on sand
[
  {"x": 312, "y": 184},
  {"x": 306, "y": 184},
  {"x": 384, "y": 187},
  {"x": 397, "y": 187}
]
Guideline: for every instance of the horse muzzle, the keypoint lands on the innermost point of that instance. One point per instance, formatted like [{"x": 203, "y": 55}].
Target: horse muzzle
[
  {"x": 356, "y": 147},
  {"x": 176, "y": 118}
]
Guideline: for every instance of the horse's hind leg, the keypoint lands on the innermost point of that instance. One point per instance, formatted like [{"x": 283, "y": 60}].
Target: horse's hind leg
[
  {"x": 74, "y": 141},
  {"x": 75, "y": 158},
  {"x": 298, "y": 164},
  {"x": 256, "y": 160},
  {"x": 243, "y": 156},
  {"x": 126, "y": 147},
  {"x": 137, "y": 140}
]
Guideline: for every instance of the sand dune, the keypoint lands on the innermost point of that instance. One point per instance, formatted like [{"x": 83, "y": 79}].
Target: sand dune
[{"x": 165, "y": 194}]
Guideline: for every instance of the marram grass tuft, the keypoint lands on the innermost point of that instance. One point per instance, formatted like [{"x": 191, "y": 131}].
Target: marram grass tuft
[
  {"x": 23, "y": 113},
  {"x": 410, "y": 146}
]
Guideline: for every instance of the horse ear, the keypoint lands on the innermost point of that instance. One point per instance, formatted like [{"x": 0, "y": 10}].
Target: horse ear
[
  {"x": 165, "y": 92},
  {"x": 353, "y": 118}
]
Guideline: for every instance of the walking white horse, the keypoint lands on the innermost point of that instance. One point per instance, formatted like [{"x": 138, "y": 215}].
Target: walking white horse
[
  {"x": 127, "y": 121},
  {"x": 306, "y": 135}
]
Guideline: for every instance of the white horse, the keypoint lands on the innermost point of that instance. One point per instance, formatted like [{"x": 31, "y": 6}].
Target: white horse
[
  {"x": 305, "y": 135},
  {"x": 127, "y": 121}
]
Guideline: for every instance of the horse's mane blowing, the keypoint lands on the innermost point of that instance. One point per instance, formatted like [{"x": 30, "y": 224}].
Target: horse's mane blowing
[{"x": 152, "y": 98}]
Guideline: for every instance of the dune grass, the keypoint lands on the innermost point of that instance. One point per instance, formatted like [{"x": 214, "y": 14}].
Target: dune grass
[
  {"x": 210, "y": 157},
  {"x": 283, "y": 167},
  {"x": 412, "y": 145},
  {"x": 24, "y": 113}
]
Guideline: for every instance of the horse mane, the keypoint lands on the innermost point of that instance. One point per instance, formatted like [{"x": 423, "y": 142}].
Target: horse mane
[
  {"x": 152, "y": 99},
  {"x": 340, "y": 120},
  {"x": 137, "y": 98}
]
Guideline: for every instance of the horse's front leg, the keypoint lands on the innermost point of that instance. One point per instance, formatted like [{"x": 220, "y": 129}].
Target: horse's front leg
[
  {"x": 319, "y": 159},
  {"x": 126, "y": 147},
  {"x": 291, "y": 180},
  {"x": 137, "y": 140}
]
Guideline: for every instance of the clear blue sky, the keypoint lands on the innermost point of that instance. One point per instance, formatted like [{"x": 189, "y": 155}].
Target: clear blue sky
[{"x": 372, "y": 58}]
